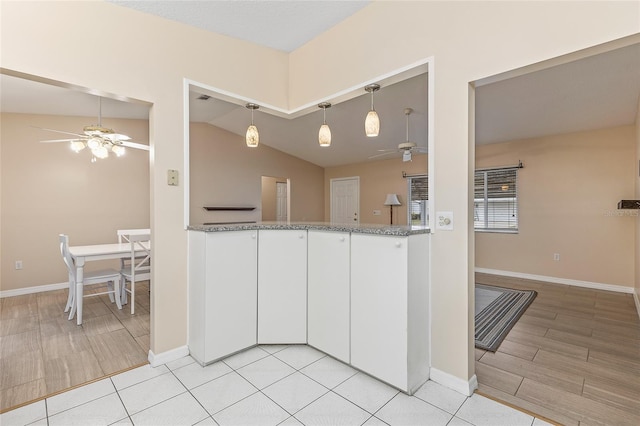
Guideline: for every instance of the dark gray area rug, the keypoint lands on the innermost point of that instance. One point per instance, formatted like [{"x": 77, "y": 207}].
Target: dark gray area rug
[{"x": 494, "y": 320}]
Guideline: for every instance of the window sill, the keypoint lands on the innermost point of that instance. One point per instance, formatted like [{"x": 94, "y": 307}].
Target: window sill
[{"x": 498, "y": 231}]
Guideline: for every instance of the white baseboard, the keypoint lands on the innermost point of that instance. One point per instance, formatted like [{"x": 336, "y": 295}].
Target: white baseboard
[
  {"x": 35, "y": 289},
  {"x": 455, "y": 383},
  {"x": 556, "y": 280},
  {"x": 167, "y": 356},
  {"x": 636, "y": 297}
]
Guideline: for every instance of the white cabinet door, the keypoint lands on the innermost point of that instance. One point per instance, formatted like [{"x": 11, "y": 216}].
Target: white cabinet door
[
  {"x": 223, "y": 293},
  {"x": 379, "y": 307},
  {"x": 231, "y": 293},
  {"x": 328, "y": 286},
  {"x": 282, "y": 286}
]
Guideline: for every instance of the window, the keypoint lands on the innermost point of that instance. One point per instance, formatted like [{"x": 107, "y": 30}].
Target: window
[
  {"x": 418, "y": 209},
  {"x": 496, "y": 200}
]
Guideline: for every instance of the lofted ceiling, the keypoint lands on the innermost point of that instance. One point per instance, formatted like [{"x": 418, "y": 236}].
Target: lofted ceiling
[
  {"x": 281, "y": 25},
  {"x": 594, "y": 92}
]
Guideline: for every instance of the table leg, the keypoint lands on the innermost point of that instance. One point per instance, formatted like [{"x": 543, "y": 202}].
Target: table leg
[{"x": 79, "y": 289}]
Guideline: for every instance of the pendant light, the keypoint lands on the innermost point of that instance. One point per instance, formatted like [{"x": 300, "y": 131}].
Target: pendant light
[
  {"x": 252, "y": 138},
  {"x": 324, "y": 135},
  {"x": 372, "y": 122}
]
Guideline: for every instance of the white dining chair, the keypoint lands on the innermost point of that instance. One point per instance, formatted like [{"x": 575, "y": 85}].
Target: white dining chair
[
  {"x": 138, "y": 268},
  {"x": 109, "y": 276},
  {"x": 123, "y": 237}
]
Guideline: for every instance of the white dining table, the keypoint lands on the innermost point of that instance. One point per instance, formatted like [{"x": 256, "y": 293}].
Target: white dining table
[{"x": 83, "y": 254}]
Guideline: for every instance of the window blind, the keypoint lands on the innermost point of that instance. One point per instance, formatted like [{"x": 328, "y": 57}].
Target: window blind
[
  {"x": 419, "y": 188},
  {"x": 496, "y": 200},
  {"x": 418, "y": 195}
]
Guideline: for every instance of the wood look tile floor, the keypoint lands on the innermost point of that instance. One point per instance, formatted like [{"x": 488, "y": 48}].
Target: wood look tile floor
[
  {"x": 573, "y": 357},
  {"x": 41, "y": 352}
]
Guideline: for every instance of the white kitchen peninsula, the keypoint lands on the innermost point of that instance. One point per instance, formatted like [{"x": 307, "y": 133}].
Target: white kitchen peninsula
[{"x": 358, "y": 293}]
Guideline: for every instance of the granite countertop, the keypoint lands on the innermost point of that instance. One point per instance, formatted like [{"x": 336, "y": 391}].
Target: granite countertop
[{"x": 396, "y": 230}]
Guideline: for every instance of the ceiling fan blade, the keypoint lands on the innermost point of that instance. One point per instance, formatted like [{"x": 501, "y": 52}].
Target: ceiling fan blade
[
  {"x": 58, "y": 140},
  {"x": 134, "y": 145},
  {"x": 382, "y": 154},
  {"x": 60, "y": 131},
  {"x": 115, "y": 137}
]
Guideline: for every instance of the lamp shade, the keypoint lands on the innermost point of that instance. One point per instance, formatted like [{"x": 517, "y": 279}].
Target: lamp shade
[
  {"x": 324, "y": 135},
  {"x": 77, "y": 146},
  {"x": 392, "y": 200},
  {"x": 372, "y": 124},
  {"x": 252, "y": 137}
]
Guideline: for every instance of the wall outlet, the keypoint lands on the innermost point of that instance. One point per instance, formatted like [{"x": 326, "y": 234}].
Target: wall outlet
[
  {"x": 376, "y": 212},
  {"x": 18, "y": 264},
  {"x": 556, "y": 257}
]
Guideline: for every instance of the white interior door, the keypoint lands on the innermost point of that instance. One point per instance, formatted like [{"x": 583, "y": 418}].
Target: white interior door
[
  {"x": 281, "y": 201},
  {"x": 345, "y": 200}
]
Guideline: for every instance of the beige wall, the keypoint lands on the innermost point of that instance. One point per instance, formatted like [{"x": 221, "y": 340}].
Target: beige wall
[
  {"x": 377, "y": 179},
  {"x": 148, "y": 58},
  {"x": 467, "y": 41},
  {"x": 568, "y": 192},
  {"x": 48, "y": 190},
  {"x": 225, "y": 172}
]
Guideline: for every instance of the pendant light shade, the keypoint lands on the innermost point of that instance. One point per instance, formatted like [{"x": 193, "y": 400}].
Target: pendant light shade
[
  {"x": 324, "y": 135},
  {"x": 372, "y": 122},
  {"x": 253, "y": 137}
]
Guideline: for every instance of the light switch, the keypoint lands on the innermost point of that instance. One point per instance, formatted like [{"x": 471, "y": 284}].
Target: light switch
[
  {"x": 444, "y": 221},
  {"x": 172, "y": 177},
  {"x": 376, "y": 212}
]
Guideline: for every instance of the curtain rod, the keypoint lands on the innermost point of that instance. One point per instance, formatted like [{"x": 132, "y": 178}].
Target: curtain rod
[
  {"x": 405, "y": 175},
  {"x": 517, "y": 166}
]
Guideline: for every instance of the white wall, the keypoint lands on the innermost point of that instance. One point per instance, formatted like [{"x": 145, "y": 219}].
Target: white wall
[{"x": 148, "y": 57}]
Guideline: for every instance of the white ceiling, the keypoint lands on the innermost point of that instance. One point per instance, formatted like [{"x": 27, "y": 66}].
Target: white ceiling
[
  {"x": 595, "y": 92},
  {"x": 281, "y": 25}
]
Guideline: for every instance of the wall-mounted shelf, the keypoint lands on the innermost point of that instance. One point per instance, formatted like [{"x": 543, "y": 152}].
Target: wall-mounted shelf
[
  {"x": 227, "y": 223},
  {"x": 629, "y": 204},
  {"x": 227, "y": 208}
]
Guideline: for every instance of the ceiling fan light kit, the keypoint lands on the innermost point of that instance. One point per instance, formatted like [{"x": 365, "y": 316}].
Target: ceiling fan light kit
[
  {"x": 372, "y": 122},
  {"x": 100, "y": 140},
  {"x": 324, "y": 135},
  {"x": 252, "y": 137}
]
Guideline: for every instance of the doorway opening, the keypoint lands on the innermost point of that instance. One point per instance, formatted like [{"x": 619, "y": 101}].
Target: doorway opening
[{"x": 275, "y": 199}]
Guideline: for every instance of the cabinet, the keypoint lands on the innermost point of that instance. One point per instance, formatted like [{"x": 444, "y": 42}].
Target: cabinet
[
  {"x": 389, "y": 308},
  {"x": 328, "y": 287},
  {"x": 222, "y": 293},
  {"x": 282, "y": 286}
]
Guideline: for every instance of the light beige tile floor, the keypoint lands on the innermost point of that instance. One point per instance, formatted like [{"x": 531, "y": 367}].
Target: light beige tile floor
[{"x": 42, "y": 352}]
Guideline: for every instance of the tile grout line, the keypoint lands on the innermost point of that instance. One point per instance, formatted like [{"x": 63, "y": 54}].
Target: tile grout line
[
  {"x": 121, "y": 401},
  {"x": 192, "y": 395}
]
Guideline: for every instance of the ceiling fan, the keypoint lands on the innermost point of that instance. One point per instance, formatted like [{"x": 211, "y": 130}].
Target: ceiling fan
[
  {"x": 406, "y": 148},
  {"x": 100, "y": 140}
]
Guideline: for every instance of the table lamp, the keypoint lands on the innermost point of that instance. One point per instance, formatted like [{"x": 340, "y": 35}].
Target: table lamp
[{"x": 392, "y": 200}]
